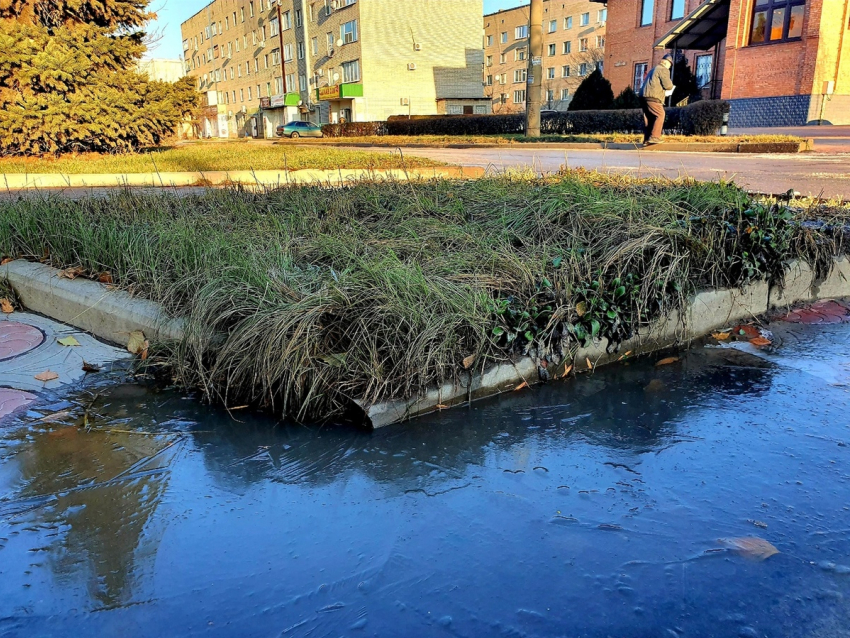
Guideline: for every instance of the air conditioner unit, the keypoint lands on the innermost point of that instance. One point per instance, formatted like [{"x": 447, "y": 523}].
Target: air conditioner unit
[
  {"x": 417, "y": 47},
  {"x": 411, "y": 66},
  {"x": 405, "y": 101}
]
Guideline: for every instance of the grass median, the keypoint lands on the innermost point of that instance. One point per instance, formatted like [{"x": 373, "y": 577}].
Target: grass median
[
  {"x": 214, "y": 156},
  {"x": 302, "y": 299}
]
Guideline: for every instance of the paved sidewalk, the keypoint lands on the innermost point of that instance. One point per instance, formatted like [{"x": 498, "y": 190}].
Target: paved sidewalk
[
  {"x": 828, "y": 139},
  {"x": 30, "y": 348}
]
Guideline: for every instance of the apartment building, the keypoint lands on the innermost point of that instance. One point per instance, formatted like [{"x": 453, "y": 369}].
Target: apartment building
[
  {"x": 573, "y": 46},
  {"x": 778, "y": 62},
  {"x": 263, "y": 63}
]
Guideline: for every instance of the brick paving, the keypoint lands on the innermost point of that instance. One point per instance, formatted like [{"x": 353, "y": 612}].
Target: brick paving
[{"x": 822, "y": 312}]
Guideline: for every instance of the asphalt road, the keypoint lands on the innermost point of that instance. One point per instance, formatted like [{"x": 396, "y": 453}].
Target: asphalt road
[{"x": 817, "y": 174}]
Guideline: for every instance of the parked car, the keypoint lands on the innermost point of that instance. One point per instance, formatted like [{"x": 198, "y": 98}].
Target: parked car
[{"x": 299, "y": 129}]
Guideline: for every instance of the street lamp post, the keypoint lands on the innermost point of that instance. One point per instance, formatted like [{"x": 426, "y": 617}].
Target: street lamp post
[{"x": 535, "y": 70}]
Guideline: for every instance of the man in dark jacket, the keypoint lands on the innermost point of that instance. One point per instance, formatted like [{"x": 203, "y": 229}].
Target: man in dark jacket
[{"x": 655, "y": 88}]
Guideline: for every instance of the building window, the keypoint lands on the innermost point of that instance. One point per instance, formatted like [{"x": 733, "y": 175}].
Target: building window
[
  {"x": 274, "y": 27},
  {"x": 519, "y": 55},
  {"x": 565, "y": 71},
  {"x": 553, "y": 26},
  {"x": 552, "y": 50},
  {"x": 521, "y": 32},
  {"x": 521, "y": 75},
  {"x": 503, "y": 79},
  {"x": 241, "y": 95},
  {"x": 290, "y": 81},
  {"x": 503, "y": 98},
  {"x": 254, "y": 38},
  {"x": 568, "y": 23},
  {"x": 488, "y": 62},
  {"x": 275, "y": 57},
  {"x": 489, "y": 80},
  {"x": 502, "y": 58},
  {"x": 565, "y": 94},
  {"x": 314, "y": 45},
  {"x": 550, "y": 95},
  {"x": 286, "y": 20},
  {"x": 519, "y": 97},
  {"x": 703, "y": 70},
  {"x": 348, "y": 32},
  {"x": 278, "y": 86},
  {"x": 602, "y": 15},
  {"x": 351, "y": 71},
  {"x": 777, "y": 20},
  {"x": 600, "y": 42},
  {"x": 568, "y": 47},
  {"x": 298, "y": 18},
  {"x": 251, "y": 7},
  {"x": 300, "y": 50},
  {"x": 242, "y": 16},
  {"x": 302, "y": 83},
  {"x": 504, "y": 37},
  {"x": 677, "y": 9},
  {"x": 582, "y": 45},
  {"x": 582, "y": 69},
  {"x": 640, "y": 74},
  {"x": 454, "y": 109},
  {"x": 585, "y": 19},
  {"x": 249, "y": 94},
  {"x": 287, "y": 52},
  {"x": 647, "y": 9},
  {"x": 489, "y": 40},
  {"x": 550, "y": 73}
]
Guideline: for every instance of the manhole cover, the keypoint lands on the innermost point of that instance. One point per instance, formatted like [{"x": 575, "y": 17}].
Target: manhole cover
[{"x": 18, "y": 338}]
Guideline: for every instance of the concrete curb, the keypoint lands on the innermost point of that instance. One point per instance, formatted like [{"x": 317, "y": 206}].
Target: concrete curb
[
  {"x": 707, "y": 311},
  {"x": 21, "y": 181},
  {"x": 113, "y": 314},
  {"x": 108, "y": 314}
]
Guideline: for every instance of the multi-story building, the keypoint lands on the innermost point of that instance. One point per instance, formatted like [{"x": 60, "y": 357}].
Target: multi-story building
[
  {"x": 778, "y": 62},
  {"x": 573, "y": 46},
  {"x": 263, "y": 63},
  {"x": 162, "y": 69}
]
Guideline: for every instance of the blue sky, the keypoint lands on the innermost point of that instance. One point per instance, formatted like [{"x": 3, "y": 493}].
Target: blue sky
[{"x": 170, "y": 13}]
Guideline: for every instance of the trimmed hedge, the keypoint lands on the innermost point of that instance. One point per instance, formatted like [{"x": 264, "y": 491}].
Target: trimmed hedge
[{"x": 700, "y": 118}]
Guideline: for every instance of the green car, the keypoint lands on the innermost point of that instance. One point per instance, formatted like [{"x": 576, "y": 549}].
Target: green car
[{"x": 299, "y": 129}]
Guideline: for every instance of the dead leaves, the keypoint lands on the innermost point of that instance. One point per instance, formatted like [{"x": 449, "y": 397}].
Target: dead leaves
[
  {"x": 6, "y": 306},
  {"x": 469, "y": 361},
  {"x": 581, "y": 308},
  {"x": 72, "y": 273},
  {"x": 721, "y": 336},
  {"x": 761, "y": 342},
  {"x": 90, "y": 367},
  {"x": 521, "y": 386},
  {"x": 138, "y": 344},
  {"x": 47, "y": 375},
  {"x": 751, "y": 547},
  {"x": 589, "y": 363},
  {"x": 105, "y": 278},
  {"x": 667, "y": 361},
  {"x": 68, "y": 341},
  {"x": 6, "y": 260}
]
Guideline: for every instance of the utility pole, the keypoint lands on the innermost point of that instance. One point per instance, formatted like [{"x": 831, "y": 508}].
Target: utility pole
[
  {"x": 282, "y": 56},
  {"x": 534, "y": 97}
]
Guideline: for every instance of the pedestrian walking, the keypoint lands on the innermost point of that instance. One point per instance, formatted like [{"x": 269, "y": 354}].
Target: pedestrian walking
[{"x": 656, "y": 87}]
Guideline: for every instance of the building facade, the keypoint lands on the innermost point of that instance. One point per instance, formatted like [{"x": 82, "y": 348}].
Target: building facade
[
  {"x": 778, "y": 62},
  {"x": 574, "y": 34},
  {"x": 262, "y": 63},
  {"x": 162, "y": 69}
]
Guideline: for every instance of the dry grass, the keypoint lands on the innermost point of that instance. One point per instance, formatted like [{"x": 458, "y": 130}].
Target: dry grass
[{"x": 213, "y": 156}]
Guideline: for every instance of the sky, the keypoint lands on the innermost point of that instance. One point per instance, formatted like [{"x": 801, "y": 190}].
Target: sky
[{"x": 171, "y": 13}]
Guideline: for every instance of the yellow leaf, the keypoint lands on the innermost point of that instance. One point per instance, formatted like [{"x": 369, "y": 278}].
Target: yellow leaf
[
  {"x": 581, "y": 308},
  {"x": 720, "y": 336},
  {"x": 521, "y": 386},
  {"x": 589, "y": 364},
  {"x": 68, "y": 341},
  {"x": 567, "y": 371},
  {"x": 667, "y": 361},
  {"x": 137, "y": 343},
  {"x": 440, "y": 406},
  {"x": 47, "y": 375},
  {"x": 468, "y": 361},
  {"x": 6, "y": 306},
  {"x": 751, "y": 547}
]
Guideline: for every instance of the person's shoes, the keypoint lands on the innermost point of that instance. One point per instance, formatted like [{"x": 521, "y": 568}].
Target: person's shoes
[{"x": 652, "y": 141}]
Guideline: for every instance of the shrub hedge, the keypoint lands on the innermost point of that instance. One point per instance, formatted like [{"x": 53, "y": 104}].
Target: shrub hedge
[{"x": 700, "y": 118}]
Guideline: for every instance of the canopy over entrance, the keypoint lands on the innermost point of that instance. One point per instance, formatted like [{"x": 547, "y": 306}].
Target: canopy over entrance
[{"x": 702, "y": 29}]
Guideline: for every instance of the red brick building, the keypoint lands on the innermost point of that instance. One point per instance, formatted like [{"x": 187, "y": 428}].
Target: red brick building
[{"x": 778, "y": 62}]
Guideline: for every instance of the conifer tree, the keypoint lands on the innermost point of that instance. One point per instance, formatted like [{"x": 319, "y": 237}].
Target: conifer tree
[
  {"x": 69, "y": 79},
  {"x": 594, "y": 93}
]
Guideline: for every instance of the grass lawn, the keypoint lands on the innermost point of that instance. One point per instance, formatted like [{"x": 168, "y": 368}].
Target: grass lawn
[
  {"x": 506, "y": 140},
  {"x": 213, "y": 156},
  {"x": 300, "y": 300}
]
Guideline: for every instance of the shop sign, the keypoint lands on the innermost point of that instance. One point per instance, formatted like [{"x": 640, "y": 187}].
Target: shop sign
[{"x": 329, "y": 92}]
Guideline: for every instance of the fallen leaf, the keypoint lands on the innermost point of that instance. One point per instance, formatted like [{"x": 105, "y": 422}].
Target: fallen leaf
[
  {"x": 521, "y": 386},
  {"x": 567, "y": 370},
  {"x": 720, "y": 336},
  {"x": 440, "y": 406},
  {"x": 5, "y": 261},
  {"x": 589, "y": 363},
  {"x": 624, "y": 355},
  {"x": 68, "y": 341},
  {"x": 747, "y": 331},
  {"x": 105, "y": 278},
  {"x": 47, "y": 375},
  {"x": 751, "y": 547},
  {"x": 581, "y": 308},
  {"x": 667, "y": 361},
  {"x": 6, "y": 306},
  {"x": 56, "y": 416},
  {"x": 760, "y": 342},
  {"x": 90, "y": 367},
  {"x": 72, "y": 273},
  {"x": 468, "y": 361},
  {"x": 137, "y": 343}
]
